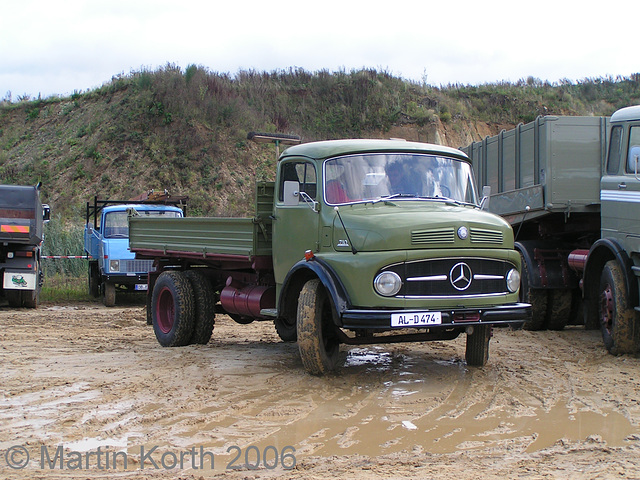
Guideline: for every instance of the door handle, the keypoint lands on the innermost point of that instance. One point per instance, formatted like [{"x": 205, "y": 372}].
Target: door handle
[{"x": 622, "y": 185}]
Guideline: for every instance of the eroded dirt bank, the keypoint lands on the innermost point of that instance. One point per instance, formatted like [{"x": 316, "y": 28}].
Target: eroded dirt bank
[{"x": 95, "y": 381}]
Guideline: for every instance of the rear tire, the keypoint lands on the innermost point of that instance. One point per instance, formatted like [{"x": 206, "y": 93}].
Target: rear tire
[
  {"x": 172, "y": 307},
  {"x": 559, "y": 309},
  {"x": 204, "y": 315},
  {"x": 317, "y": 339},
  {"x": 477, "y": 351},
  {"x": 30, "y": 298},
  {"x": 617, "y": 319}
]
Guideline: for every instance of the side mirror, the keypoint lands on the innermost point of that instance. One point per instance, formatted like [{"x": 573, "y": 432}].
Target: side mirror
[
  {"x": 46, "y": 213},
  {"x": 132, "y": 212},
  {"x": 486, "y": 197},
  {"x": 291, "y": 193}
]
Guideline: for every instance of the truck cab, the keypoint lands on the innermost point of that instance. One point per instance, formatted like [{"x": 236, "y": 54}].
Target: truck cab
[
  {"x": 612, "y": 270},
  {"x": 620, "y": 184},
  {"x": 391, "y": 234},
  {"x": 113, "y": 266}
]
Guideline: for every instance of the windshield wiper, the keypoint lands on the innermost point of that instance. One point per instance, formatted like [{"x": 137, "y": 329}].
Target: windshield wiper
[
  {"x": 451, "y": 200},
  {"x": 395, "y": 195}
]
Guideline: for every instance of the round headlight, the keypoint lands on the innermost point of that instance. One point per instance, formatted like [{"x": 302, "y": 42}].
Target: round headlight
[
  {"x": 513, "y": 280},
  {"x": 387, "y": 283}
]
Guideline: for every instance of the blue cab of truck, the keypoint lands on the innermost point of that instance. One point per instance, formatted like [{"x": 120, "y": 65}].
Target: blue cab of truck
[{"x": 112, "y": 266}]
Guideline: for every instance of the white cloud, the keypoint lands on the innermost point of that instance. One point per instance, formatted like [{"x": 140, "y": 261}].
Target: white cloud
[{"x": 55, "y": 47}]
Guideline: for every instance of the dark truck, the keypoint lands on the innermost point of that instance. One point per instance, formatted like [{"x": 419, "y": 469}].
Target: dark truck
[
  {"x": 357, "y": 242},
  {"x": 570, "y": 187},
  {"x": 22, "y": 216}
]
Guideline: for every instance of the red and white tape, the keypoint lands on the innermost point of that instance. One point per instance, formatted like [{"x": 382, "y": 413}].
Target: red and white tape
[{"x": 66, "y": 256}]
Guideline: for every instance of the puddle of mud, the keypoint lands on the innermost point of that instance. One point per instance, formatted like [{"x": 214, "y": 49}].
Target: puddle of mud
[
  {"x": 386, "y": 403},
  {"x": 384, "y": 400}
]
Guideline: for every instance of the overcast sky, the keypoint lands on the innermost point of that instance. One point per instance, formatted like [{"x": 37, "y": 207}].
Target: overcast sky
[{"x": 55, "y": 47}]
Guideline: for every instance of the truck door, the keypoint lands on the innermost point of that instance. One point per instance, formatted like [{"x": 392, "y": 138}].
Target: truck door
[
  {"x": 295, "y": 228},
  {"x": 620, "y": 188}
]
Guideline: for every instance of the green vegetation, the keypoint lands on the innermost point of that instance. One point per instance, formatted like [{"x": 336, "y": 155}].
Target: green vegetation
[
  {"x": 186, "y": 131},
  {"x": 65, "y": 288},
  {"x": 63, "y": 239}
]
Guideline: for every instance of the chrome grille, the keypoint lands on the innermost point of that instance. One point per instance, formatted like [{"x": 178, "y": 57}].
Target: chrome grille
[
  {"x": 136, "y": 266},
  {"x": 432, "y": 278}
]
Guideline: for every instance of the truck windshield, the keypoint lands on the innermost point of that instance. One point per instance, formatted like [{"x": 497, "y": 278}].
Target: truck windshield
[
  {"x": 116, "y": 224},
  {"x": 402, "y": 176}
]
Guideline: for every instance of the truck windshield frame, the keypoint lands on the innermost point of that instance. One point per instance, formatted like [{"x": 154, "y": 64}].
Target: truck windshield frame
[
  {"x": 633, "y": 150},
  {"x": 373, "y": 177},
  {"x": 116, "y": 224}
]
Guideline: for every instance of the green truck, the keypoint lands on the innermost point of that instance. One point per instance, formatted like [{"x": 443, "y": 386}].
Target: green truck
[
  {"x": 357, "y": 242},
  {"x": 570, "y": 188}
]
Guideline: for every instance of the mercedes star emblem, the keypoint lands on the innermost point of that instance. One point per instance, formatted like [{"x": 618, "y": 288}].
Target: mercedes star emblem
[{"x": 461, "y": 276}]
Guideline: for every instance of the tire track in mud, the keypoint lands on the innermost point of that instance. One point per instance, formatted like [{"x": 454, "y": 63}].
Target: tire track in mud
[{"x": 94, "y": 377}]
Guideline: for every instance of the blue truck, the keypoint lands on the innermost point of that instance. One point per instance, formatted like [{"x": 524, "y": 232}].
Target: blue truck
[{"x": 112, "y": 266}]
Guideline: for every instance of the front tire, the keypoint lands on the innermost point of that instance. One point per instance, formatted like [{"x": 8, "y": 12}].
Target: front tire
[
  {"x": 317, "y": 339},
  {"x": 109, "y": 294},
  {"x": 477, "y": 351},
  {"x": 617, "y": 319},
  {"x": 172, "y": 311}
]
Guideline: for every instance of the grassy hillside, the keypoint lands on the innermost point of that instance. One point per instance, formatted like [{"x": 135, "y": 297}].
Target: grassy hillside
[{"x": 186, "y": 130}]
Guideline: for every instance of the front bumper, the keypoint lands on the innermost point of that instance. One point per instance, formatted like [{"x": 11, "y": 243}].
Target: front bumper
[
  {"x": 510, "y": 315},
  {"x": 125, "y": 278}
]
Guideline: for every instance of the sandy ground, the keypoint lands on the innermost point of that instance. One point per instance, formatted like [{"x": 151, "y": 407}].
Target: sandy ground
[{"x": 92, "y": 386}]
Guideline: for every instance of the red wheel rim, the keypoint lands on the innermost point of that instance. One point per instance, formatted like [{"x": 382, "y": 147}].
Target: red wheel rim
[
  {"x": 606, "y": 308},
  {"x": 165, "y": 310}
]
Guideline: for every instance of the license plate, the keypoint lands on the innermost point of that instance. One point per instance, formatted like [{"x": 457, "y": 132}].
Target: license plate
[
  {"x": 19, "y": 281},
  {"x": 416, "y": 319},
  {"x": 141, "y": 286}
]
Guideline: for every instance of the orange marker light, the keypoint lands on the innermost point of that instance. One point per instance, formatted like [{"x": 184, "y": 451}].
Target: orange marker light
[{"x": 308, "y": 255}]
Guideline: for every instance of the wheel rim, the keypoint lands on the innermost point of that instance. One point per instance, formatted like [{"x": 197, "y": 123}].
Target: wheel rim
[
  {"x": 165, "y": 310},
  {"x": 606, "y": 308}
]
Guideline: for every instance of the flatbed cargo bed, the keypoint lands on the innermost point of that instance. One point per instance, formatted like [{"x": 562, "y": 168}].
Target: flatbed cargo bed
[
  {"x": 206, "y": 237},
  {"x": 201, "y": 236}
]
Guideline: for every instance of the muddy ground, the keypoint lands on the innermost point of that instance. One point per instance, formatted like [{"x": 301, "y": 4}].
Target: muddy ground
[{"x": 92, "y": 386}]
